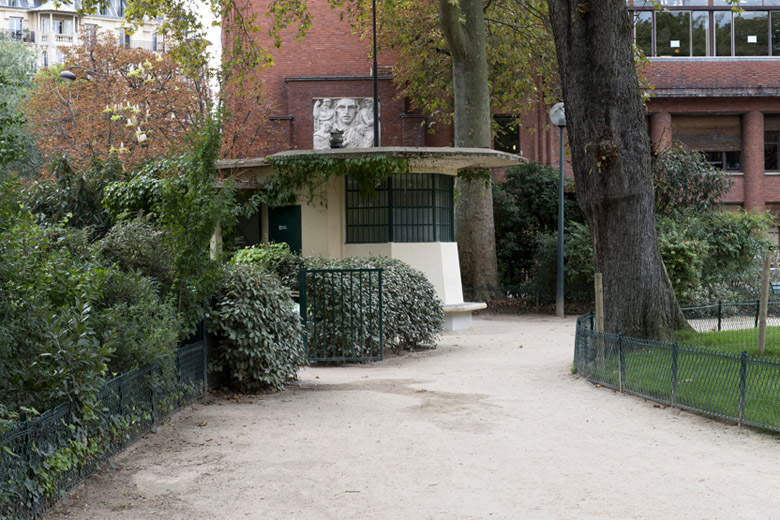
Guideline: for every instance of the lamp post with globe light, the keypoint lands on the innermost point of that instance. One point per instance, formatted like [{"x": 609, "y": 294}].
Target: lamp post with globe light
[{"x": 558, "y": 118}]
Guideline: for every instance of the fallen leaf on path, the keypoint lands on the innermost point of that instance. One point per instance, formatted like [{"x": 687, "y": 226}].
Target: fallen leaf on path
[{"x": 202, "y": 424}]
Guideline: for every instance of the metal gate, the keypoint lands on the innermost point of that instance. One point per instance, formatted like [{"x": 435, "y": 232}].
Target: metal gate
[{"x": 342, "y": 315}]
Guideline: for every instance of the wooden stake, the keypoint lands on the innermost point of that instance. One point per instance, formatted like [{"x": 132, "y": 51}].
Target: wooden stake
[
  {"x": 599, "y": 289},
  {"x": 762, "y": 310}
]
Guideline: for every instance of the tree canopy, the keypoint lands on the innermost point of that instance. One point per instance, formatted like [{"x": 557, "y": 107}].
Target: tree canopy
[
  {"x": 17, "y": 65},
  {"x": 132, "y": 103}
]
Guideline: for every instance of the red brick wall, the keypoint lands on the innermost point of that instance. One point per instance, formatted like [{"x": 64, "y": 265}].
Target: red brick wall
[
  {"x": 333, "y": 62},
  {"x": 703, "y": 76}
]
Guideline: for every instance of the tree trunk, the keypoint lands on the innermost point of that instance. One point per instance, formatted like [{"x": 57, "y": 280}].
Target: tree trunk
[
  {"x": 474, "y": 229},
  {"x": 610, "y": 151}
]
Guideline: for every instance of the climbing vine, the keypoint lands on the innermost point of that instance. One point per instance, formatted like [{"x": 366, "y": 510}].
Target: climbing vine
[{"x": 295, "y": 174}]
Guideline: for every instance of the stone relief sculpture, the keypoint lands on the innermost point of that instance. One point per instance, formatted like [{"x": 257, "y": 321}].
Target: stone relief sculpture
[{"x": 352, "y": 116}]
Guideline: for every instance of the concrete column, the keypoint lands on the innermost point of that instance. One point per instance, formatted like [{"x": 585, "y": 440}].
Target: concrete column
[
  {"x": 661, "y": 130},
  {"x": 753, "y": 160}
]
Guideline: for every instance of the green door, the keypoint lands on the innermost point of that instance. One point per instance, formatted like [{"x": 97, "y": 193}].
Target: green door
[{"x": 284, "y": 225}]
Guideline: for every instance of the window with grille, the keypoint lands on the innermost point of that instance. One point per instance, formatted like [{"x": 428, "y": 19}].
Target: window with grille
[{"x": 414, "y": 207}]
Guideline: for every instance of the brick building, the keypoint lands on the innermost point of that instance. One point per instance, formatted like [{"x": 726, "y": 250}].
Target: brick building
[
  {"x": 333, "y": 62},
  {"x": 715, "y": 74},
  {"x": 716, "y": 79}
]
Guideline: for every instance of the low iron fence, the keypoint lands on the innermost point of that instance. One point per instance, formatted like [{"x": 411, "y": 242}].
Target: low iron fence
[
  {"x": 700, "y": 378},
  {"x": 341, "y": 311},
  {"x": 42, "y": 457}
]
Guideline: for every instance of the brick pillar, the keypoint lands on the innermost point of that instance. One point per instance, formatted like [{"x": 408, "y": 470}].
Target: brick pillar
[
  {"x": 661, "y": 130},
  {"x": 753, "y": 160}
]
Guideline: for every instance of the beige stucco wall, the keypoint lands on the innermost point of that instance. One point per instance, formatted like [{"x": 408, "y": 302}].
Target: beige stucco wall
[{"x": 437, "y": 260}]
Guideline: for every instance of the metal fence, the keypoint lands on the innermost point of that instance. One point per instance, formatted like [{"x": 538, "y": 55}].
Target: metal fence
[
  {"x": 730, "y": 385},
  {"x": 36, "y": 468},
  {"x": 341, "y": 311}
]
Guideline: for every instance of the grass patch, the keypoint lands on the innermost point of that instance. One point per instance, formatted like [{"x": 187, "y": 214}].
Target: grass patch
[
  {"x": 734, "y": 341},
  {"x": 706, "y": 380}
]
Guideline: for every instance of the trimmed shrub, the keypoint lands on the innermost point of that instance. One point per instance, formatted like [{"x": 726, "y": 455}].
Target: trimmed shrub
[
  {"x": 412, "y": 312},
  {"x": 276, "y": 258},
  {"x": 258, "y": 330}
]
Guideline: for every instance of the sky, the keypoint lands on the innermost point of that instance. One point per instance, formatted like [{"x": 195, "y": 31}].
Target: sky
[{"x": 214, "y": 33}]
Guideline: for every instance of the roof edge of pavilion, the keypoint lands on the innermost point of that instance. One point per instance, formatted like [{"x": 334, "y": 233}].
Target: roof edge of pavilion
[{"x": 421, "y": 159}]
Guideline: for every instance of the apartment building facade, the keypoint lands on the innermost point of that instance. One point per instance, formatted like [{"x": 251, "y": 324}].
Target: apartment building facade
[{"x": 48, "y": 28}]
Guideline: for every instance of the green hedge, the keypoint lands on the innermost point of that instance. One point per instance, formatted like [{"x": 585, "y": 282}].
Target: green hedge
[
  {"x": 258, "y": 330},
  {"x": 413, "y": 314}
]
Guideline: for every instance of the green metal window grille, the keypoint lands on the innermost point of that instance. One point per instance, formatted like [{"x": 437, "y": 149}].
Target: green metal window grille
[{"x": 414, "y": 207}]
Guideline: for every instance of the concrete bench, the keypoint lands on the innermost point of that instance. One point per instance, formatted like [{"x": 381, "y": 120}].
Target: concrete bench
[{"x": 458, "y": 315}]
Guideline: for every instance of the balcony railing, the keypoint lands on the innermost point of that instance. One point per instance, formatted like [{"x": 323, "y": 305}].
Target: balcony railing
[
  {"x": 56, "y": 38},
  {"x": 158, "y": 46},
  {"x": 23, "y": 35}
]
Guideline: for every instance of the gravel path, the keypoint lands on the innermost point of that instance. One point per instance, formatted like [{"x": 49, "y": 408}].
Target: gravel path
[{"x": 491, "y": 424}]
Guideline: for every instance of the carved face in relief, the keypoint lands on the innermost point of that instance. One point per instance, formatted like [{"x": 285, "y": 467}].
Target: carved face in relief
[{"x": 346, "y": 108}]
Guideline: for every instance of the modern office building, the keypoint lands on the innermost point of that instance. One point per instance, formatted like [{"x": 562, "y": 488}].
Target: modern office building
[
  {"x": 715, "y": 73},
  {"x": 48, "y": 28}
]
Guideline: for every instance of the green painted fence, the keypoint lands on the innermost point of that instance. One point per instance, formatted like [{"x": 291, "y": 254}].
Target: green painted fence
[
  {"x": 36, "y": 468},
  {"x": 729, "y": 385}
]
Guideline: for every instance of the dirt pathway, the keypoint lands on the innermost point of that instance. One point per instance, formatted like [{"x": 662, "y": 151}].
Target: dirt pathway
[{"x": 491, "y": 424}]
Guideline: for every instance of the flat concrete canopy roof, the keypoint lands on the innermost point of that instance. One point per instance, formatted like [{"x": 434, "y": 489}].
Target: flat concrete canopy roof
[{"x": 447, "y": 161}]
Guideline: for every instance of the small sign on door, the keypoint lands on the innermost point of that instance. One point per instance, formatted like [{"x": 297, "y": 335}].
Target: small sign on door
[{"x": 282, "y": 228}]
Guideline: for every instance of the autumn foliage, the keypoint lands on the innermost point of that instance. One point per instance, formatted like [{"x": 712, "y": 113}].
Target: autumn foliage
[{"x": 134, "y": 103}]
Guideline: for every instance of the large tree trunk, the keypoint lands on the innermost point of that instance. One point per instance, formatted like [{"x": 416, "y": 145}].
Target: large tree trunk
[
  {"x": 474, "y": 229},
  {"x": 610, "y": 152}
]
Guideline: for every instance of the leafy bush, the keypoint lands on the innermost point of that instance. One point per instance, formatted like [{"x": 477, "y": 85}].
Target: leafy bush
[
  {"x": 709, "y": 256},
  {"x": 259, "y": 331},
  {"x": 181, "y": 196},
  {"x": 525, "y": 204},
  {"x": 734, "y": 243},
  {"x": 412, "y": 312},
  {"x": 49, "y": 348},
  {"x": 577, "y": 268},
  {"x": 68, "y": 321},
  {"x": 138, "y": 326},
  {"x": 684, "y": 180},
  {"x": 277, "y": 258},
  {"x": 73, "y": 198},
  {"x": 137, "y": 245}
]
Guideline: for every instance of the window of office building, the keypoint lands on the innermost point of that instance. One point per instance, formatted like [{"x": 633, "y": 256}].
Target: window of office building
[
  {"x": 700, "y": 33},
  {"x": 643, "y": 31},
  {"x": 676, "y": 32},
  {"x": 771, "y": 143},
  {"x": 722, "y": 33},
  {"x": 507, "y": 137},
  {"x": 673, "y": 33},
  {"x": 751, "y": 33},
  {"x": 719, "y": 137},
  {"x": 414, "y": 207}
]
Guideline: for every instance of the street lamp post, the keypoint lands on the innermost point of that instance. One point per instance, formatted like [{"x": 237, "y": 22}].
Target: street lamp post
[
  {"x": 558, "y": 118},
  {"x": 376, "y": 81},
  {"x": 68, "y": 74}
]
